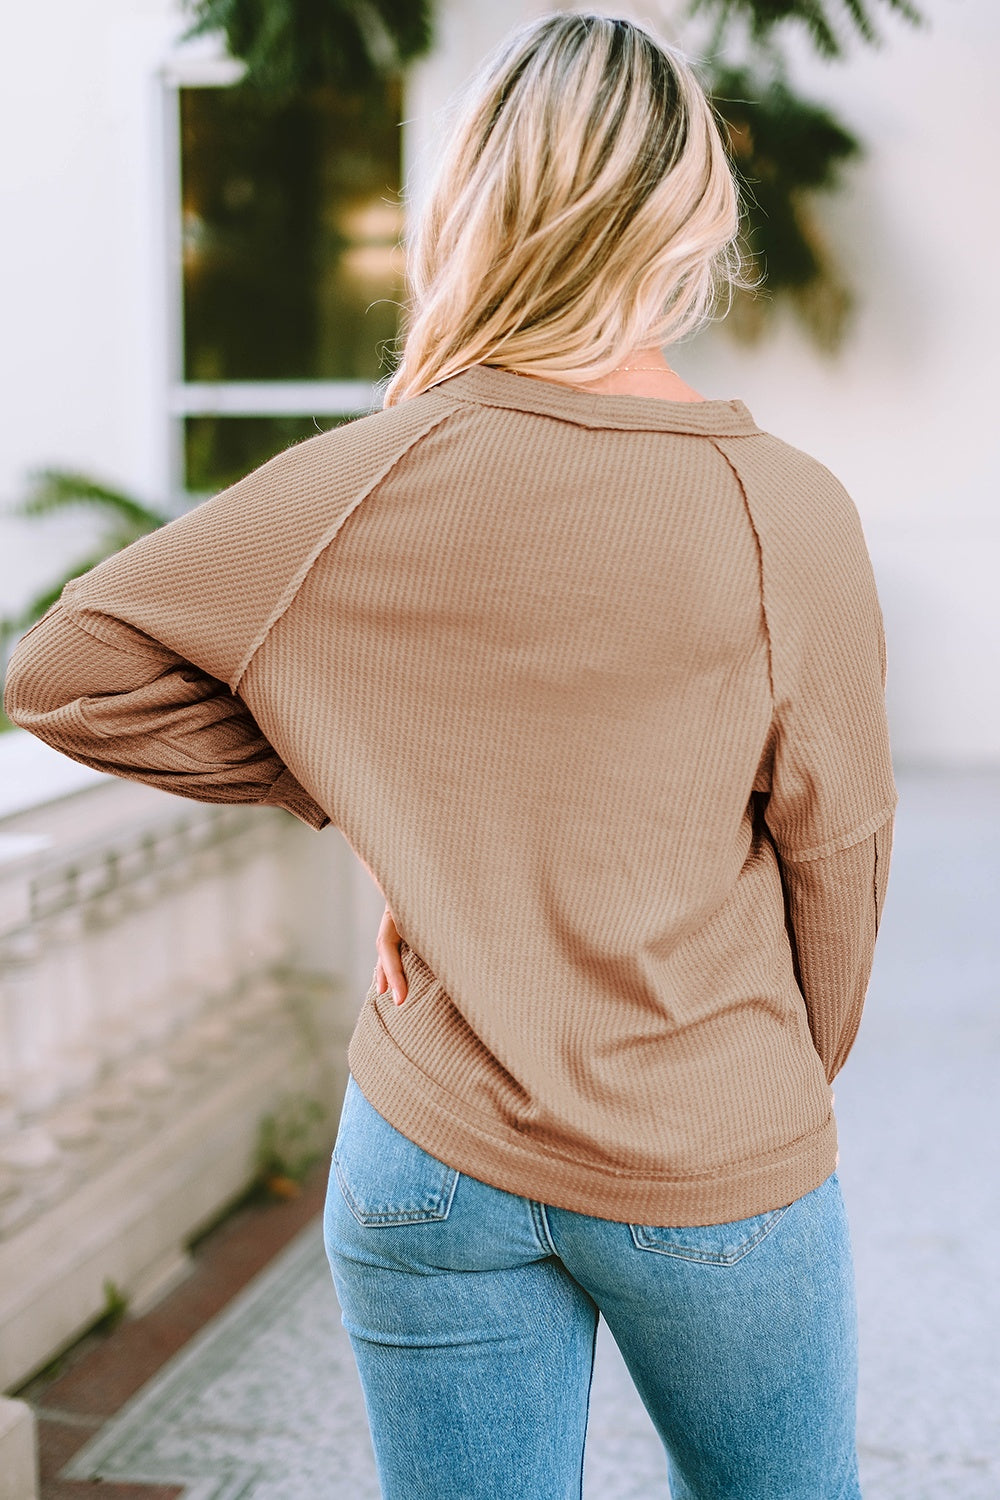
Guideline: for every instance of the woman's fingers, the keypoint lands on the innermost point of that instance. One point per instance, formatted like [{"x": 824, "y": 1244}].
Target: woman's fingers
[{"x": 389, "y": 969}]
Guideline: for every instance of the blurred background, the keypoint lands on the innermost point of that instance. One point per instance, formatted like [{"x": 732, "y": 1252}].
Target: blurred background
[
  {"x": 202, "y": 263},
  {"x": 191, "y": 282}
]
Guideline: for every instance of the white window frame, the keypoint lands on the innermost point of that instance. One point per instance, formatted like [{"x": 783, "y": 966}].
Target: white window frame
[{"x": 231, "y": 398}]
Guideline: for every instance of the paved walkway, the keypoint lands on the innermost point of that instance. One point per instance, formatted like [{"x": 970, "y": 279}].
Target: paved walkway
[{"x": 264, "y": 1403}]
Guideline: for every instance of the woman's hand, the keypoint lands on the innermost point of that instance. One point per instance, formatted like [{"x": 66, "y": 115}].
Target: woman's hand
[{"x": 389, "y": 969}]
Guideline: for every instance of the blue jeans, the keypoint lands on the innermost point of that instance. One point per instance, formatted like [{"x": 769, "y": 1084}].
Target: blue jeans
[{"x": 472, "y": 1314}]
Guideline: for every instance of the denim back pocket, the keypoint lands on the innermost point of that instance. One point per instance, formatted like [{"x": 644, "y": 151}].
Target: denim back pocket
[
  {"x": 711, "y": 1244},
  {"x": 385, "y": 1177}
]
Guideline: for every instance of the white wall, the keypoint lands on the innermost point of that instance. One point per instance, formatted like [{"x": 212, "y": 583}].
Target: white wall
[
  {"x": 81, "y": 273},
  {"x": 904, "y": 416}
]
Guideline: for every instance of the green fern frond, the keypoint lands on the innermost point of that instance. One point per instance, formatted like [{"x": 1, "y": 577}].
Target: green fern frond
[
  {"x": 52, "y": 491},
  {"x": 57, "y": 489},
  {"x": 36, "y": 606}
]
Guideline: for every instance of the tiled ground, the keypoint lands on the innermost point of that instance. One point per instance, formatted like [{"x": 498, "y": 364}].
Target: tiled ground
[
  {"x": 267, "y": 1404},
  {"x": 264, "y": 1404},
  {"x": 103, "y": 1373}
]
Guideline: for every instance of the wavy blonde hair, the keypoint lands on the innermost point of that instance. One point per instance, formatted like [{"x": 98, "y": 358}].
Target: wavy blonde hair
[{"x": 584, "y": 206}]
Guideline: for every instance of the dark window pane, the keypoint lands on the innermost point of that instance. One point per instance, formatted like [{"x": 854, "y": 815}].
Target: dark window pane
[
  {"x": 291, "y": 224},
  {"x": 220, "y": 450}
]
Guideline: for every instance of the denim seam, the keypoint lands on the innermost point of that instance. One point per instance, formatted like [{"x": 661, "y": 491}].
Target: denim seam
[
  {"x": 390, "y": 1216},
  {"x": 539, "y": 1219}
]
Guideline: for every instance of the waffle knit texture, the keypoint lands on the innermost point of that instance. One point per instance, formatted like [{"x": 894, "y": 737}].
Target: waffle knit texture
[{"x": 594, "y": 687}]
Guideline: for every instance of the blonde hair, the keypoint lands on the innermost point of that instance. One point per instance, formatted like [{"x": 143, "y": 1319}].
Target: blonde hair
[{"x": 584, "y": 207}]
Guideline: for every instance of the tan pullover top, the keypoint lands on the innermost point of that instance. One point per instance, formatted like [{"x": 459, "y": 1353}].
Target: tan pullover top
[{"x": 594, "y": 687}]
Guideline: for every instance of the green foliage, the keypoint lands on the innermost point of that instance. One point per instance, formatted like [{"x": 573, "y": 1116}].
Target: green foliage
[
  {"x": 53, "y": 491},
  {"x": 785, "y": 149},
  {"x": 115, "y": 1308},
  {"x": 123, "y": 518},
  {"x": 824, "y": 22},
  {"x": 289, "y": 1142},
  {"x": 291, "y": 46}
]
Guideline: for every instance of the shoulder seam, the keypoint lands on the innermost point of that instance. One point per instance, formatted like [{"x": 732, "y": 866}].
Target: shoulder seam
[
  {"x": 291, "y": 589},
  {"x": 840, "y": 842}
]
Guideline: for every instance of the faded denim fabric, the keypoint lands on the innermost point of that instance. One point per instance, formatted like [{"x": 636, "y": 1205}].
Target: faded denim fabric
[{"x": 473, "y": 1314}]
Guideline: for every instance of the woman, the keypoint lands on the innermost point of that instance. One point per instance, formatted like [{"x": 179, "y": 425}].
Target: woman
[{"x": 590, "y": 672}]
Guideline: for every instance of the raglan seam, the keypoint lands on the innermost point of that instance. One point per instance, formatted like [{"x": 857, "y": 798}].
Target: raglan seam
[
  {"x": 716, "y": 444},
  {"x": 860, "y": 832},
  {"x": 288, "y": 595}
]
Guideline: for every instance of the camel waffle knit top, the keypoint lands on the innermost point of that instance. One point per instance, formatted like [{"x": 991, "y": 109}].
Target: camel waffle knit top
[{"x": 594, "y": 687}]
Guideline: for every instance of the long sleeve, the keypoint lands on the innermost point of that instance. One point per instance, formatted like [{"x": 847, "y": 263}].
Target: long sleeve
[
  {"x": 136, "y": 669},
  {"x": 831, "y": 789},
  {"x": 126, "y": 704},
  {"x": 830, "y": 753},
  {"x": 826, "y": 770},
  {"x": 834, "y": 907}
]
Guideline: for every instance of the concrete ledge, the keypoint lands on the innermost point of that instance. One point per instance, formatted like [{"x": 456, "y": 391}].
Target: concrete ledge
[
  {"x": 18, "y": 1463},
  {"x": 132, "y": 1221}
]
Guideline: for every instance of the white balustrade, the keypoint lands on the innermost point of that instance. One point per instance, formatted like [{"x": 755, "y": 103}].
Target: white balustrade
[
  {"x": 151, "y": 1012},
  {"x": 170, "y": 973}
]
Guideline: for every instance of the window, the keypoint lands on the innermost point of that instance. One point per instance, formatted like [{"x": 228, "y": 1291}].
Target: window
[{"x": 287, "y": 267}]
